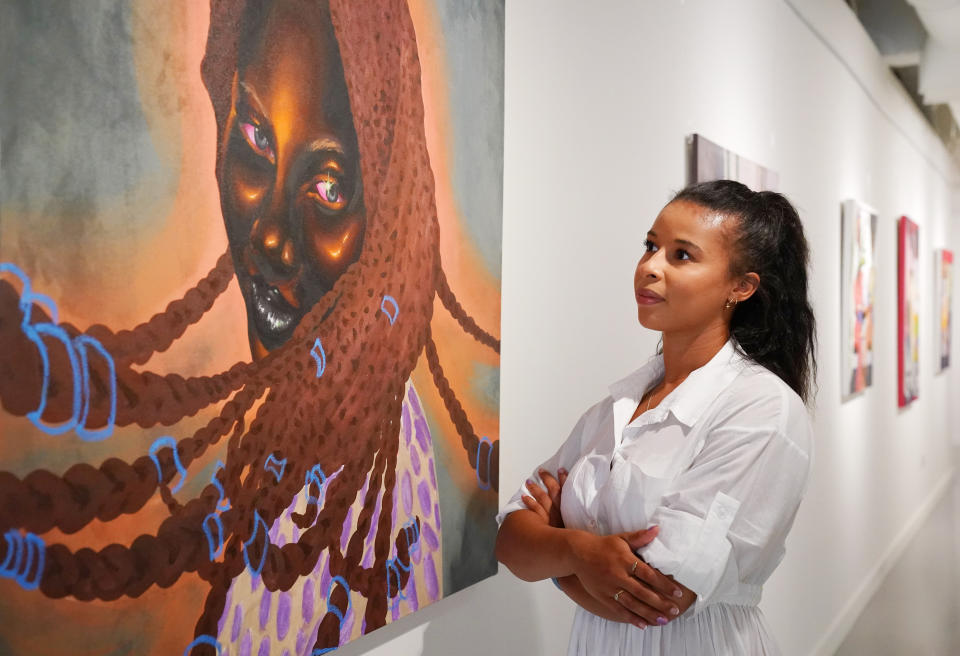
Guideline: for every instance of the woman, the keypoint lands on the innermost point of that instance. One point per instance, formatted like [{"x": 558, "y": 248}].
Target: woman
[
  {"x": 706, "y": 447},
  {"x": 322, "y": 521}
]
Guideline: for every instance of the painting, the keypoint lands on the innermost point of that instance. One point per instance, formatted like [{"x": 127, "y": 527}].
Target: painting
[
  {"x": 908, "y": 312},
  {"x": 708, "y": 161},
  {"x": 944, "y": 279},
  {"x": 249, "y": 320},
  {"x": 857, "y": 267}
]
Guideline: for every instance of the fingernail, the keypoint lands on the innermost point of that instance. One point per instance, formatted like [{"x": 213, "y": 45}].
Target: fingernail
[
  {"x": 674, "y": 611},
  {"x": 678, "y": 593},
  {"x": 662, "y": 620},
  {"x": 640, "y": 625},
  {"x": 562, "y": 471}
]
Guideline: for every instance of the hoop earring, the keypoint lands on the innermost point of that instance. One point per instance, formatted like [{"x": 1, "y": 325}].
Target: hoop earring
[{"x": 729, "y": 304}]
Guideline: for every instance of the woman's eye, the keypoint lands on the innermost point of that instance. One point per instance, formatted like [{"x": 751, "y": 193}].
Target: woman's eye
[
  {"x": 329, "y": 192},
  {"x": 651, "y": 247},
  {"x": 682, "y": 254},
  {"x": 257, "y": 139}
]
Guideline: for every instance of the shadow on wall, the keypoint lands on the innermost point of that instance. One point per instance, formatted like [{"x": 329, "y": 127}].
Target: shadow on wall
[{"x": 495, "y": 616}]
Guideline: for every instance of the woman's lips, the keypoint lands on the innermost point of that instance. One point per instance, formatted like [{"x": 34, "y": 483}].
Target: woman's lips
[
  {"x": 273, "y": 317},
  {"x": 646, "y": 297}
]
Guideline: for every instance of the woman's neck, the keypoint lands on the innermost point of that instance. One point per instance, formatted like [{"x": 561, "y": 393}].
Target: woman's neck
[{"x": 685, "y": 351}]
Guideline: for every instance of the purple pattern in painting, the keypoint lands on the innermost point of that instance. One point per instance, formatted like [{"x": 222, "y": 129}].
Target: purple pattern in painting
[
  {"x": 306, "y": 606},
  {"x": 265, "y": 608},
  {"x": 412, "y": 594},
  {"x": 415, "y": 462},
  {"x": 368, "y": 556},
  {"x": 301, "y": 641},
  {"x": 423, "y": 434},
  {"x": 264, "y": 647},
  {"x": 428, "y": 534},
  {"x": 405, "y": 424},
  {"x": 375, "y": 518},
  {"x": 283, "y": 615},
  {"x": 346, "y": 627},
  {"x": 325, "y": 580},
  {"x": 423, "y": 491},
  {"x": 237, "y": 622},
  {"x": 254, "y": 583},
  {"x": 433, "y": 474},
  {"x": 246, "y": 644},
  {"x": 406, "y": 493},
  {"x": 345, "y": 535},
  {"x": 430, "y": 577}
]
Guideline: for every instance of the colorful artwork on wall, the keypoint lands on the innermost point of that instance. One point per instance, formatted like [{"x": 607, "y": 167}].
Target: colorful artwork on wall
[
  {"x": 944, "y": 280},
  {"x": 858, "y": 273},
  {"x": 709, "y": 161},
  {"x": 249, "y": 318},
  {"x": 908, "y": 312}
]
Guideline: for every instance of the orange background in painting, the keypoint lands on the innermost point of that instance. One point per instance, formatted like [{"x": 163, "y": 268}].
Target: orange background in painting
[{"x": 158, "y": 264}]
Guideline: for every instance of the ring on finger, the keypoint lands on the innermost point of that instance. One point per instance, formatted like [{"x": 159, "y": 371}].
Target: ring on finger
[
  {"x": 634, "y": 568},
  {"x": 616, "y": 597}
]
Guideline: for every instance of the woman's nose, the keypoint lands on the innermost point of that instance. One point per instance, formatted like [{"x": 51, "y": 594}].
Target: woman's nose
[
  {"x": 273, "y": 243},
  {"x": 649, "y": 267}
]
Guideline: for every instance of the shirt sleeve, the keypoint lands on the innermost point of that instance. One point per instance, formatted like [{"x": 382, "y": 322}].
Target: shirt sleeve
[
  {"x": 565, "y": 457},
  {"x": 724, "y": 521}
]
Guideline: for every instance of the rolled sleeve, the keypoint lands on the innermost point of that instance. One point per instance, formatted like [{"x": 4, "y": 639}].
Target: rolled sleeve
[{"x": 723, "y": 521}]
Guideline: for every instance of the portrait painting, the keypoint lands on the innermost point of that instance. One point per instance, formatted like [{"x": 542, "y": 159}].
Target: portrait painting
[
  {"x": 249, "y": 320},
  {"x": 707, "y": 161},
  {"x": 858, "y": 248},
  {"x": 908, "y": 312},
  {"x": 944, "y": 280}
]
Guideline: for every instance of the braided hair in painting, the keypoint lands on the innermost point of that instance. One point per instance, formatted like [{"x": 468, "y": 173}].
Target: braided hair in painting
[
  {"x": 775, "y": 327},
  {"x": 346, "y": 415}
]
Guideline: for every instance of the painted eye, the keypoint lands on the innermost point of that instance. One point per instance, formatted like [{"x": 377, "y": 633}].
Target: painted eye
[
  {"x": 329, "y": 192},
  {"x": 257, "y": 139}
]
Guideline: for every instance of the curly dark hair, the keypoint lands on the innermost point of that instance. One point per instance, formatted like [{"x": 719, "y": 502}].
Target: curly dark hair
[{"x": 775, "y": 327}]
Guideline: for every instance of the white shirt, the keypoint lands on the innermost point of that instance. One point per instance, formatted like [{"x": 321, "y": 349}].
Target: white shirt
[{"x": 720, "y": 465}]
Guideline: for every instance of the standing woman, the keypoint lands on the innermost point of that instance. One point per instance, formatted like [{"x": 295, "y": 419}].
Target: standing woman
[{"x": 679, "y": 488}]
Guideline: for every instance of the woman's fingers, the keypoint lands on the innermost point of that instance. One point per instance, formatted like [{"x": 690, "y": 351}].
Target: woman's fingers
[
  {"x": 651, "y": 615},
  {"x": 532, "y": 504},
  {"x": 649, "y": 600},
  {"x": 561, "y": 476},
  {"x": 550, "y": 483},
  {"x": 657, "y": 581},
  {"x": 637, "y": 539}
]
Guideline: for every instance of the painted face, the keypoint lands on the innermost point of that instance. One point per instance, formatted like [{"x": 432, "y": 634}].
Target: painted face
[
  {"x": 289, "y": 174},
  {"x": 683, "y": 279}
]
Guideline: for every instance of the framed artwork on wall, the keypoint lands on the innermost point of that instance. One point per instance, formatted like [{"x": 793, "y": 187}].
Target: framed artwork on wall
[
  {"x": 858, "y": 273},
  {"x": 707, "y": 160},
  {"x": 249, "y": 320},
  {"x": 944, "y": 280},
  {"x": 908, "y": 312}
]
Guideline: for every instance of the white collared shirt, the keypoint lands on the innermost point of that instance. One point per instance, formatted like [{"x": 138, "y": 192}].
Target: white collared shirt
[{"x": 720, "y": 465}]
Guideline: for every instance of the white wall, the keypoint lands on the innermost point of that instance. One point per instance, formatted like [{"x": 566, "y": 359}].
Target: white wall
[{"x": 599, "y": 98}]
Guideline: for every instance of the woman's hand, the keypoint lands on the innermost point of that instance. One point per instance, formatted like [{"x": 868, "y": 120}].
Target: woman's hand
[
  {"x": 610, "y": 571},
  {"x": 546, "y": 503}
]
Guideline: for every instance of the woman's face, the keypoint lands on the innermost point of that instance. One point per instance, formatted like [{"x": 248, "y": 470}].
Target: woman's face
[
  {"x": 683, "y": 280},
  {"x": 289, "y": 175}
]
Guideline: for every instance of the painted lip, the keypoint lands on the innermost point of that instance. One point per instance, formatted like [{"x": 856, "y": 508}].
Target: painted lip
[
  {"x": 273, "y": 317},
  {"x": 646, "y": 297}
]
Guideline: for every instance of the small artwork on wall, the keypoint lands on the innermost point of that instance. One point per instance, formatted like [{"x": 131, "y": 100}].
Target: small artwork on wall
[
  {"x": 709, "y": 161},
  {"x": 858, "y": 273},
  {"x": 908, "y": 312},
  {"x": 944, "y": 278}
]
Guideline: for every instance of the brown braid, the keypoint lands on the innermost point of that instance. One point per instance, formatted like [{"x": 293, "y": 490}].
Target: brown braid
[
  {"x": 471, "y": 443},
  {"x": 456, "y": 310}
]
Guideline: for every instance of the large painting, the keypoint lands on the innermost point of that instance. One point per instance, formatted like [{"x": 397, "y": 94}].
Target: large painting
[
  {"x": 858, "y": 246},
  {"x": 249, "y": 319},
  {"x": 908, "y": 312},
  {"x": 944, "y": 278},
  {"x": 707, "y": 161}
]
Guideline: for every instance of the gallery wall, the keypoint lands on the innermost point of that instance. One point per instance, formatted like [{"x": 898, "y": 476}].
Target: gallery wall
[{"x": 599, "y": 100}]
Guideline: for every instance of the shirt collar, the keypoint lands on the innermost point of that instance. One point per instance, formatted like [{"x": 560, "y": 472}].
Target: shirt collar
[{"x": 698, "y": 390}]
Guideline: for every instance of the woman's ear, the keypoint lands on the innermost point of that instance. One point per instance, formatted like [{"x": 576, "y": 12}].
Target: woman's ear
[{"x": 746, "y": 286}]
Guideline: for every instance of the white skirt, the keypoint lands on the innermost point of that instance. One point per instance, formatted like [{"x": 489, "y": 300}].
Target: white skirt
[{"x": 718, "y": 629}]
